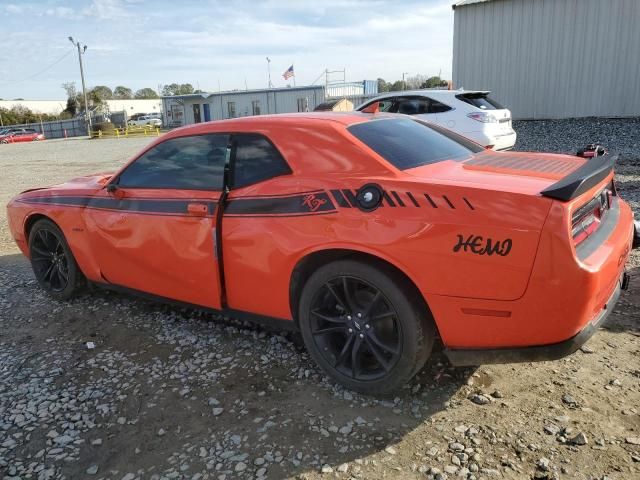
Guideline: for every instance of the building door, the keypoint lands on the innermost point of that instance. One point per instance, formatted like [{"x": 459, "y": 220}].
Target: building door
[
  {"x": 207, "y": 112},
  {"x": 196, "y": 113}
]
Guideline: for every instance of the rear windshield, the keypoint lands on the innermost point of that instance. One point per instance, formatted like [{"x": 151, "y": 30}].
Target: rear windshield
[
  {"x": 480, "y": 100},
  {"x": 407, "y": 143}
]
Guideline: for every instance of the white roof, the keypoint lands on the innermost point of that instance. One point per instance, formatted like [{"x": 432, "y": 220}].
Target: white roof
[
  {"x": 462, "y": 3},
  {"x": 432, "y": 93}
]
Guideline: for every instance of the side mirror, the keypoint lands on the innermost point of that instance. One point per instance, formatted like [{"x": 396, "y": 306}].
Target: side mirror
[{"x": 116, "y": 191}]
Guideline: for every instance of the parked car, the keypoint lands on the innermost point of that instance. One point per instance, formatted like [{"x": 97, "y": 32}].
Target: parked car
[
  {"x": 472, "y": 114},
  {"x": 15, "y": 135},
  {"x": 144, "y": 121},
  {"x": 372, "y": 234}
]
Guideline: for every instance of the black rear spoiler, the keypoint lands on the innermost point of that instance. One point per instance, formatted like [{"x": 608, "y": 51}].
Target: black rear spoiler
[{"x": 587, "y": 176}]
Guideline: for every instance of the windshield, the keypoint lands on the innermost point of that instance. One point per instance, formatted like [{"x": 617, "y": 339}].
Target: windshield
[{"x": 407, "y": 143}]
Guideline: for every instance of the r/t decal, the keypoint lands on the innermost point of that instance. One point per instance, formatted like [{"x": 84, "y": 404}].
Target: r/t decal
[
  {"x": 481, "y": 246},
  {"x": 312, "y": 202}
]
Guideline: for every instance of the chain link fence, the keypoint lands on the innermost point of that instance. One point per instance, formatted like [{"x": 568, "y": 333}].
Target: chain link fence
[{"x": 73, "y": 127}]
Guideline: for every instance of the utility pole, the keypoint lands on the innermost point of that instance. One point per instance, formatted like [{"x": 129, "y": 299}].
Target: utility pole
[
  {"x": 87, "y": 117},
  {"x": 269, "y": 70},
  {"x": 404, "y": 84}
]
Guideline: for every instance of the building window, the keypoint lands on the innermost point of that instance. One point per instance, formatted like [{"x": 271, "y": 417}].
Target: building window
[
  {"x": 231, "y": 109},
  {"x": 255, "y": 107},
  {"x": 303, "y": 105}
]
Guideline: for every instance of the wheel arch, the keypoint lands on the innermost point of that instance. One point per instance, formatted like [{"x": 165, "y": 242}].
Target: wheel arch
[
  {"x": 31, "y": 220},
  {"x": 305, "y": 267}
]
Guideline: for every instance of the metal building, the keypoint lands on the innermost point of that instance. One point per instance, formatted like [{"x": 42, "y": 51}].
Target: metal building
[
  {"x": 551, "y": 58},
  {"x": 187, "y": 109}
]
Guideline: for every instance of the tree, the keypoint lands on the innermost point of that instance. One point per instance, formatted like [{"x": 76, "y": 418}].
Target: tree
[
  {"x": 145, "y": 93},
  {"x": 383, "y": 86},
  {"x": 101, "y": 93},
  {"x": 72, "y": 98},
  {"x": 177, "y": 89},
  {"x": 122, "y": 93},
  {"x": 434, "y": 82},
  {"x": 397, "y": 86}
]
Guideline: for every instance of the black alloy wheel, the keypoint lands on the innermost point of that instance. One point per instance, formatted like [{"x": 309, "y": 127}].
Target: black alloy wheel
[
  {"x": 365, "y": 325},
  {"x": 356, "y": 328},
  {"x": 53, "y": 263}
]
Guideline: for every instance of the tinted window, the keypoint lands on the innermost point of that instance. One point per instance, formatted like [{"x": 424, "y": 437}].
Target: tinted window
[
  {"x": 413, "y": 106},
  {"x": 406, "y": 143},
  {"x": 437, "y": 107},
  {"x": 255, "y": 159},
  {"x": 480, "y": 100},
  {"x": 195, "y": 163},
  {"x": 386, "y": 105}
]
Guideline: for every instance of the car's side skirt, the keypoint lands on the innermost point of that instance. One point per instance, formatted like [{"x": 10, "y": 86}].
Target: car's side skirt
[{"x": 271, "y": 322}]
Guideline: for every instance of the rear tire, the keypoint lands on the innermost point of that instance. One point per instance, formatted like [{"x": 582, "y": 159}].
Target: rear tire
[
  {"x": 52, "y": 262},
  {"x": 365, "y": 326}
]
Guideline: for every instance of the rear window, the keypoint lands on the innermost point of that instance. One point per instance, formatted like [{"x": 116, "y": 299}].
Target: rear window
[
  {"x": 480, "y": 100},
  {"x": 408, "y": 143}
]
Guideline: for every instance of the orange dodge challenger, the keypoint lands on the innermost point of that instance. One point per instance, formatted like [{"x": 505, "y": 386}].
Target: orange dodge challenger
[{"x": 373, "y": 235}]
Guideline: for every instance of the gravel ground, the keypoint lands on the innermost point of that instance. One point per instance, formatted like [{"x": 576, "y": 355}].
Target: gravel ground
[{"x": 175, "y": 393}]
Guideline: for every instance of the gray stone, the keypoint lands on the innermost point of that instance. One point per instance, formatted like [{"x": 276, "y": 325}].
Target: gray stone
[
  {"x": 579, "y": 439},
  {"x": 92, "y": 470}
]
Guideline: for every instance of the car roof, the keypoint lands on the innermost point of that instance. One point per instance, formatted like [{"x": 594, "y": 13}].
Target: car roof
[
  {"x": 280, "y": 119},
  {"x": 433, "y": 93}
]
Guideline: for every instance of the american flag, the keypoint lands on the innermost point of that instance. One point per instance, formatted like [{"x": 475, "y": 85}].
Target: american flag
[{"x": 288, "y": 73}]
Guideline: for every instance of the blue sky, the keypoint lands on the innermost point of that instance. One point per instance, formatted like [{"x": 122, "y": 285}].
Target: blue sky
[{"x": 140, "y": 43}]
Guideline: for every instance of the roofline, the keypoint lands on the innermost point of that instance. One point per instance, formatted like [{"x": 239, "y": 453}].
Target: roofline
[
  {"x": 205, "y": 95},
  {"x": 465, "y": 3}
]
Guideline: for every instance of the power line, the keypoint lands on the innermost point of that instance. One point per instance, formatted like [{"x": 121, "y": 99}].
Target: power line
[{"x": 41, "y": 71}]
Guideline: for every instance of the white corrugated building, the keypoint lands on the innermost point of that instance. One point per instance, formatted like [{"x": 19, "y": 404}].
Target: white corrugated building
[{"x": 551, "y": 58}]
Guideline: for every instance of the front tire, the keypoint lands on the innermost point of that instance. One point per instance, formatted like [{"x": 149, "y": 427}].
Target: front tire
[
  {"x": 52, "y": 262},
  {"x": 365, "y": 326}
]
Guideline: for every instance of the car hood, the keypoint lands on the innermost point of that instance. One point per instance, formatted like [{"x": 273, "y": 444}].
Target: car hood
[
  {"x": 518, "y": 172},
  {"x": 84, "y": 184}
]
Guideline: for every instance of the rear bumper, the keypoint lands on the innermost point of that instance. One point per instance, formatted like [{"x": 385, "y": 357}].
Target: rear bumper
[
  {"x": 464, "y": 357},
  {"x": 500, "y": 141}
]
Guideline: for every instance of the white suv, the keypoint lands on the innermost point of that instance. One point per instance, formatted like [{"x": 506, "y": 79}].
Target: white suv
[
  {"x": 471, "y": 113},
  {"x": 145, "y": 120}
]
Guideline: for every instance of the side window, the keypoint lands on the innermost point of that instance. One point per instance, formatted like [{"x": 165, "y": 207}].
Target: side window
[
  {"x": 189, "y": 163},
  {"x": 437, "y": 107},
  {"x": 255, "y": 159},
  {"x": 413, "y": 106},
  {"x": 389, "y": 105}
]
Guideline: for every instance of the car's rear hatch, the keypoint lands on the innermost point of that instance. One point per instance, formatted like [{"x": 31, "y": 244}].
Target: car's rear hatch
[{"x": 487, "y": 108}]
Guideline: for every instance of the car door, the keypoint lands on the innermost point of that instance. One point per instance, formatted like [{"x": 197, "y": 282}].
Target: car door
[{"x": 153, "y": 228}]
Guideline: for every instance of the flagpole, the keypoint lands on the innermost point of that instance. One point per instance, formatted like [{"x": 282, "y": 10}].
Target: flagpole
[{"x": 294, "y": 76}]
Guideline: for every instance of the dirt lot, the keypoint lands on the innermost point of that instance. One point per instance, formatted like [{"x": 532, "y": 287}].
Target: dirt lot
[{"x": 175, "y": 393}]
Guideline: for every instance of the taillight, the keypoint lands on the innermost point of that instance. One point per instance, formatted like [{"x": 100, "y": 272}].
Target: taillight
[
  {"x": 587, "y": 218},
  {"x": 484, "y": 117}
]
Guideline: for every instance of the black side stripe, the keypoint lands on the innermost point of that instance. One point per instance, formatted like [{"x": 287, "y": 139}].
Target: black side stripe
[
  {"x": 351, "y": 197},
  {"x": 340, "y": 200},
  {"x": 298, "y": 204},
  {"x": 468, "y": 203},
  {"x": 433, "y": 204},
  {"x": 387, "y": 199},
  {"x": 412, "y": 198},
  {"x": 139, "y": 205},
  {"x": 447, "y": 200},
  {"x": 397, "y": 197}
]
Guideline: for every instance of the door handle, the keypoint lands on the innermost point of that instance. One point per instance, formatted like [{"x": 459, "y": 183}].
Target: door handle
[{"x": 198, "y": 209}]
